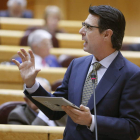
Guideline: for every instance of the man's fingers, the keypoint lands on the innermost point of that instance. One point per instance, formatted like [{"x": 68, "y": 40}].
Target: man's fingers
[
  {"x": 32, "y": 56},
  {"x": 84, "y": 108},
  {"x": 31, "y": 53},
  {"x": 75, "y": 111},
  {"x": 66, "y": 109},
  {"x": 25, "y": 54},
  {"x": 16, "y": 62},
  {"x": 21, "y": 56},
  {"x": 70, "y": 112}
]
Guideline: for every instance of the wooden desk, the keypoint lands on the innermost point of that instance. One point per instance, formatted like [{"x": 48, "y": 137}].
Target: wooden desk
[
  {"x": 29, "y": 132},
  {"x": 69, "y": 26},
  {"x": 9, "y": 37},
  {"x": 8, "y": 51},
  {"x": 7, "y": 95},
  {"x": 10, "y": 76}
]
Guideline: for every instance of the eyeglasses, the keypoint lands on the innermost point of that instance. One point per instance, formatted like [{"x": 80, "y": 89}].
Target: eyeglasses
[{"x": 87, "y": 26}]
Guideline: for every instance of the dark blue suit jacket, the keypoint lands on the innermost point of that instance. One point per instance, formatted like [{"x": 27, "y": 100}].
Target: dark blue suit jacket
[
  {"x": 26, "y": 14},
  {"x": 117, "y": 100}
]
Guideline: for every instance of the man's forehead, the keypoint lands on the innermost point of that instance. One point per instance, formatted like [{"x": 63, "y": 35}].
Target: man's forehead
[{"x": 92, "y": 19}]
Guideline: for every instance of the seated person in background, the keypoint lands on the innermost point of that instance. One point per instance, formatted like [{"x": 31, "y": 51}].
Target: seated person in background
[
  {"x": 16, "y": 8},
  {"x": 28, "y": 114},
  {"x": 40, "y": 43},
  {"x": 52, "y": 17},
  {"x": 131, "y": 47}
]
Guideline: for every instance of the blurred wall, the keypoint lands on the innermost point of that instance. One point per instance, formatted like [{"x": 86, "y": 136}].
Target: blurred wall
[{"x": 78, "y": 10}]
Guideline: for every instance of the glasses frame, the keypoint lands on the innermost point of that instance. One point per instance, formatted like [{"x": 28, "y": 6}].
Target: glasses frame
[{"x": 87, "y": 26}]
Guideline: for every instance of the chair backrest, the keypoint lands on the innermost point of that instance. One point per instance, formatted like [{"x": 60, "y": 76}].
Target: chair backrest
[
  {"x": 6, "y": 108},
  {"x": 24, "y": 39},
  {"x": 56, "y": 84},
  {"x": 65, "y": 60},
  {"x": 131, "y": 47}
]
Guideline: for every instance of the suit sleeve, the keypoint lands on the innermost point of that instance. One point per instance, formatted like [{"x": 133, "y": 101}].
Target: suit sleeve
[{"x": 62, "y": 91}]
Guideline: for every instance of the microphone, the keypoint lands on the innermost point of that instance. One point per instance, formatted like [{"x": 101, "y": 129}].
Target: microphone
[{"x": 93, "y": 78}]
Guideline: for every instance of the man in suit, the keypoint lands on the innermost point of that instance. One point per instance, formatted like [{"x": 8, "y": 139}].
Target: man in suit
[
  {"x": 117, "y": 82},
  {"x": 16, "y": 8},
  {"x": 29, "y": 114}
]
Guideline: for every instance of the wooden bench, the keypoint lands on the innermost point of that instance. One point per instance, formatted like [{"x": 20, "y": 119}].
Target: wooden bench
[
  {"x": 69, "y": 26},
  {"x": 28, "y": 132},
  {"x": 7, "y": 95},
  {"x": 10, "y": 76},
  {"x": 9, "y": 37},
  {"x": 8, "y": 51}
]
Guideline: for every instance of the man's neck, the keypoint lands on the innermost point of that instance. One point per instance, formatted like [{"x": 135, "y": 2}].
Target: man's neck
[{"x": 100, "y": 56}]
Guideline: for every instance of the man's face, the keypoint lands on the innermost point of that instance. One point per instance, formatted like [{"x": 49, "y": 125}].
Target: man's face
[
  {"x": 52, "y": 22},
  {"x": 92, "y": 37},
  {"x": 43, "y": 48},
  {"x": 16, "y": 10}
]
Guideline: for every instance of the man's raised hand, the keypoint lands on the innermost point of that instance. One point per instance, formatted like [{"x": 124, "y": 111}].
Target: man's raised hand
[{"x": 27, "y": 67}]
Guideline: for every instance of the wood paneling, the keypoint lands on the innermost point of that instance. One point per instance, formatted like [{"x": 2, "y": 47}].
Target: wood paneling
[
  {"x": 78, "y": 10},
  {"x": 8, "y": 51},
  {"x": 10, "y": 75}
]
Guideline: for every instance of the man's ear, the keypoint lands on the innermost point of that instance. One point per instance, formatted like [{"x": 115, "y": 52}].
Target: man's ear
[{"x": 108, "y": 33}]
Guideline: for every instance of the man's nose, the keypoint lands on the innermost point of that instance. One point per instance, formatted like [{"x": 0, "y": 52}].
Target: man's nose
[{"x": 82, "y": 31}]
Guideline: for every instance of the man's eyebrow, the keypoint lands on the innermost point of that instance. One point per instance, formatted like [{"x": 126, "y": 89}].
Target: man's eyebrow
[{"x": 87, "y": 24}]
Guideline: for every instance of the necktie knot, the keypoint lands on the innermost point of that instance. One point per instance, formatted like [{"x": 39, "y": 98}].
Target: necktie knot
[{"x": 96, "y": 66}]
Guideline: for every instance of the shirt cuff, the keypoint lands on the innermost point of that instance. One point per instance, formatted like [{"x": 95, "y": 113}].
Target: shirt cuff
[
  {"x": 33, "y": 88},
  {"x": 91, "y": 128}
]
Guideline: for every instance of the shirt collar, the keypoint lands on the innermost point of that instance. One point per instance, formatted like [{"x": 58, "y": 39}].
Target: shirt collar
[
  {"x": 107, "y": 60},
  {"x": 37, "y": 58}
]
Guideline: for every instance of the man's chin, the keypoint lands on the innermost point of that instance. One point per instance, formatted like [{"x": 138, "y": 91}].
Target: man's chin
[{"x": 85, "y": 49}]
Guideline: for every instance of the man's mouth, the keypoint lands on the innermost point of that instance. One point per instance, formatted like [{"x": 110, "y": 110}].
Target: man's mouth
[{"x": 85, "y": 43}]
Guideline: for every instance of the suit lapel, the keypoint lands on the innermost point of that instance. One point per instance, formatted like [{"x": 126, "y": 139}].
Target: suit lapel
[
  {"x": 80, "y": 79},
  {"x": 108, "y": 80}
]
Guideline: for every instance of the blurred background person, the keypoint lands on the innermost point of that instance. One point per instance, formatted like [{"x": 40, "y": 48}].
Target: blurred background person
[
  {"x": 16, "y": 8},
  {"x": 29, "y": 114},
  {"x": 52, "y": 16},
  {"x": 40, "y": 43}
]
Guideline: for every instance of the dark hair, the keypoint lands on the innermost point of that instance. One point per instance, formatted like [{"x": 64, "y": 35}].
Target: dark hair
[{"x": 110, "y": 18}]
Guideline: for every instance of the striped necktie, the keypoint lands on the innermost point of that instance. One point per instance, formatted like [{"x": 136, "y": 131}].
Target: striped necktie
[{"x": 88, "y": 86}]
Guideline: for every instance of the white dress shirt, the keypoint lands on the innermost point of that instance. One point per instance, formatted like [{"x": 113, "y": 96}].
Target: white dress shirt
[
  {"x": 100, "y": 72},
  {"x": 42, "y": 116},
  {"x": 38, "y": 62}
]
